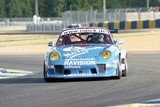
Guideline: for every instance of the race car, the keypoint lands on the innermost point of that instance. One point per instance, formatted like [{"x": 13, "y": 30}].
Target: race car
[
  {"x": 85, "y": 53},
  {"x": 74, "y": 25}
]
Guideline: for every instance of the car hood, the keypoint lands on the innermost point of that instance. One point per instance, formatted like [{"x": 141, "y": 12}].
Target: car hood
[{"x": 81, "y": 51}]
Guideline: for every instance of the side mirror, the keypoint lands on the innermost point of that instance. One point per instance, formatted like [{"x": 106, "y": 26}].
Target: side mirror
[
  {"x": 51, "y": 43},
  {"x": 119, "y": 42}
]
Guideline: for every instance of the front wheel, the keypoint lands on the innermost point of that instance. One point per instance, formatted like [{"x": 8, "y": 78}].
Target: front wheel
[
  {"x": 119, "y": 72},
  {"x": 45, "y": 75},
  {"x": 125, "y": 71}
]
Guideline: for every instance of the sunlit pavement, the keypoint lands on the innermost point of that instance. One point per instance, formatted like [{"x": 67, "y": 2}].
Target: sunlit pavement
[
  {"x": 12, "y": 73},
  {"x": 149, "y": 103}
]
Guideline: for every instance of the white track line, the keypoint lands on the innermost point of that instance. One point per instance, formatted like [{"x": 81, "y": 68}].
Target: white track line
[
  {"x": 11, "y": 73},
  {"x": 148, "y": 103}
]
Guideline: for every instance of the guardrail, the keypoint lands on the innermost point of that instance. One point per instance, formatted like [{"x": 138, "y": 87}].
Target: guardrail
[
  {"x": 55, "y": 28},
  {"x": 145, "y": 24},
  {"x": 122, "y": 25}
]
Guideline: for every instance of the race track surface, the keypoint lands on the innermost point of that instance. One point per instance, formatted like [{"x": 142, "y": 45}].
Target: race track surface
[{"x": 141, "y": 84}]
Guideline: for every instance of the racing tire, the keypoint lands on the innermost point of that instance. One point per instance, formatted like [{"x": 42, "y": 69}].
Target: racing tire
[
  {"x": 45, "y": 76},
  {"x": 119, "y": 73},
  {"x": 124, "y": 72}
]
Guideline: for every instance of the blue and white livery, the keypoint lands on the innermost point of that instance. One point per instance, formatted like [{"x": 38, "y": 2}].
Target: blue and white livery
[{"x": 85, "y": 53}]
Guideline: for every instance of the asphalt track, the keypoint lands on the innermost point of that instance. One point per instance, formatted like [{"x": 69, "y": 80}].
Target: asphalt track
[{"x": 141, "y": 84}]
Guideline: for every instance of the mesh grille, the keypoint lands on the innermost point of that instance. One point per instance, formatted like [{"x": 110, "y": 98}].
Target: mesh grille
[
  {"x": 101, "y": 68},
  {"x": 59, "y": 69}
]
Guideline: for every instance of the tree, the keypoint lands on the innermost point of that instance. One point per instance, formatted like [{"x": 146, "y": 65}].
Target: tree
[
  {"x": 2, "y": 8},
  {"x": 46, "y": 8},
  {"x": 27, "y": 9},
  {"x": 16, "y": 8},
  {"x": 112, "y": 4},
  {"x": 96, "y": 4},
  {"x": 55, "y": 8}
]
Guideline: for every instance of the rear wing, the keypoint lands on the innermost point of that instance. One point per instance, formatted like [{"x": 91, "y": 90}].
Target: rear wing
[{"x": 113, "y": 30}]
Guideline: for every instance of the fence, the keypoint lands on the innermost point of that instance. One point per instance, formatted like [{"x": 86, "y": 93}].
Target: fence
[
  {"x": 26, "y": 21},
  {"x": 111, "y": 15}
]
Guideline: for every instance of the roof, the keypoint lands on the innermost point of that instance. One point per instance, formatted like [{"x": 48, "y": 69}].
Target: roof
[{"x": 86, "y": 30}]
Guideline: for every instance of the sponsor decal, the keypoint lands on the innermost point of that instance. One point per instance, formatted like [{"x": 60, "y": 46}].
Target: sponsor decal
[
  {"x": 77, "y": 51},
  {"x": 85, "y": 31},
  {"x": 75, "y": 48},
  {"x": 79, "y": 75},
  {"x": 72, "y": 67},
  {"x": 77, "y": 63}
]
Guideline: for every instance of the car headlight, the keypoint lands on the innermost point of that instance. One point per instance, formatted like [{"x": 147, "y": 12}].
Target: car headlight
[
  {"x": 106, "y": 54},
  {"x": 54, "y": 56}
]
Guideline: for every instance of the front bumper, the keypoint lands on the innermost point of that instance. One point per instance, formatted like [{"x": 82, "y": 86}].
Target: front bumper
[{"x": 96, "y": 71}]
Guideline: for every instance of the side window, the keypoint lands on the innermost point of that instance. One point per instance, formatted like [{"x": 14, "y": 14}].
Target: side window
[
  {"x": 59, "y": 41},
  {"x": 109, "y": 39}
]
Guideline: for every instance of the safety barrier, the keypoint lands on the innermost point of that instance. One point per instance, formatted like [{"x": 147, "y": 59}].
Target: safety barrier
[
  {"x": 146, "y": 24},
  {"x": 44, "y": 28},
  {"x": 56, "y": 28}
]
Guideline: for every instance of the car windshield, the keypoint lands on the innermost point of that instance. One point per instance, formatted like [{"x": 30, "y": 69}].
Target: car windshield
[{"x": 84, "y": 38}]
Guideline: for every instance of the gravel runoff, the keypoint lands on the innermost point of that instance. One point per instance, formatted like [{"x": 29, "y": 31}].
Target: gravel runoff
[{"x": 133, "y": 42}]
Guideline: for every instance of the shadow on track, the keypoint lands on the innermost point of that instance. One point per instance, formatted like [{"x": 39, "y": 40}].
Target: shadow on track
[
  {"x": 21, "y": 80},
  {"x": 41, "y": 80}
]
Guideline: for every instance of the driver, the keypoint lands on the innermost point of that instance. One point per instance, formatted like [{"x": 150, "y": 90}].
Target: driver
[{"x": 95, "y": 38}]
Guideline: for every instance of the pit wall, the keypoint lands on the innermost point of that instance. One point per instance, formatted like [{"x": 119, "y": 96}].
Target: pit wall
[{"x": 145, "y": 24}]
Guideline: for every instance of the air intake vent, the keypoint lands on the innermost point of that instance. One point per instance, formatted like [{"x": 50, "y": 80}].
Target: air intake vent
[
  {"x": 67, "y": 72},
  {"x": 101, "y": 68},
  {"x": 59, "y": 69},
  {"x": 93, "y": 71}
]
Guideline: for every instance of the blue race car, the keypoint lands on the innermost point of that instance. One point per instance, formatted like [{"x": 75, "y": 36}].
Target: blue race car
[{"x": 85, "y": 53}]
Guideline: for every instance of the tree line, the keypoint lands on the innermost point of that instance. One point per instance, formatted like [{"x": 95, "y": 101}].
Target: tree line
[{"x": 55, "y": 8}]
